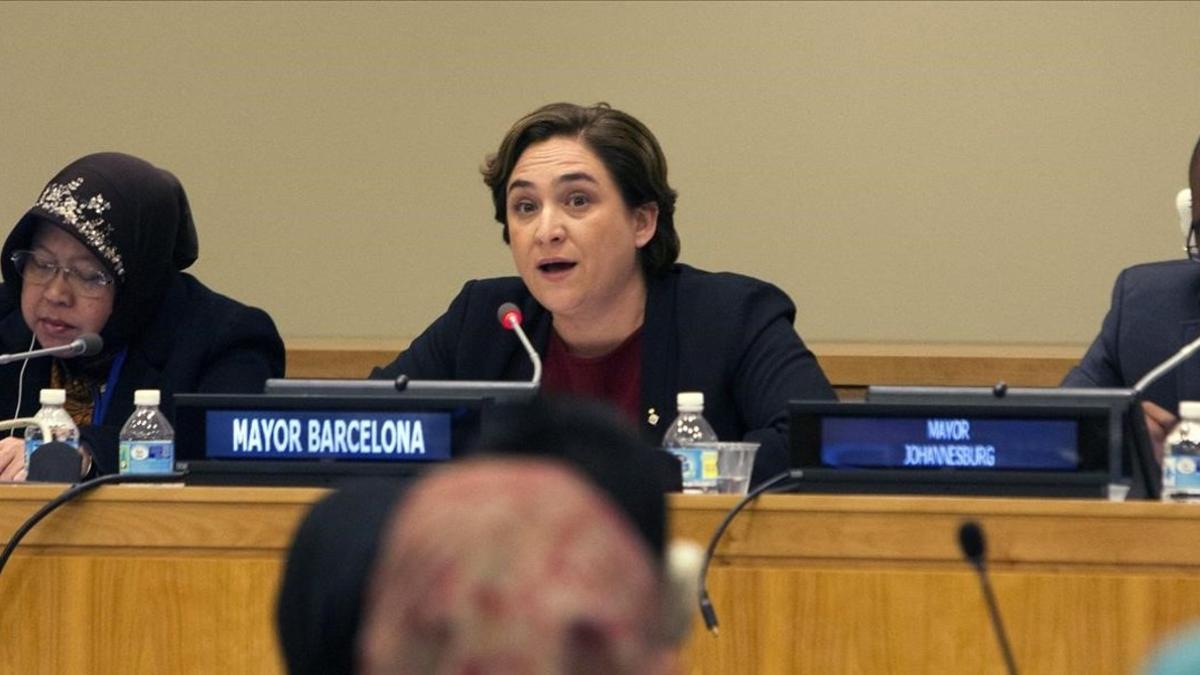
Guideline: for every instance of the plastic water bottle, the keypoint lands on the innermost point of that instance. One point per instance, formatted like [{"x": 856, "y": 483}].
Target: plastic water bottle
[
  {"x": 688, "y": 429},
  {"x": 1181, "y": 455},
  {"x": 62, "y": 427},
  {"x": 147, "y": 441}
]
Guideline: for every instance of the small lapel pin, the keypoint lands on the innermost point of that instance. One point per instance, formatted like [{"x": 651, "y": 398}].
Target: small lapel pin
[{"x": 652, "y": 417}]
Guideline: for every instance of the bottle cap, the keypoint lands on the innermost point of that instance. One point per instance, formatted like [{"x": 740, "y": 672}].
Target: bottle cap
[
  {"x": 146, "y": 397},
  {"x": 53, "y": 397},
  {"x": 1189, "y": 409},
  {"x": 690, "y": 401}
]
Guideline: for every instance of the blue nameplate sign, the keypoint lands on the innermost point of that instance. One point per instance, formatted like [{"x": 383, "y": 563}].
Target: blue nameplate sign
[
  {"x": 1043, "y": 449},
  {"x": 950, "y": 443},
  {"x": 1045, "y": 438},
  {"x": 392, "y": 436}
]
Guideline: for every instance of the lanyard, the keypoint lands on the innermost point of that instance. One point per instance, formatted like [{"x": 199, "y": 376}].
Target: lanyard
[{"x": 106, "y": 394}]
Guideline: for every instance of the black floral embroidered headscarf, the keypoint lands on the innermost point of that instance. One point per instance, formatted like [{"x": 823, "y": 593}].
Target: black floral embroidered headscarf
[{"x": 133, "y": 216}]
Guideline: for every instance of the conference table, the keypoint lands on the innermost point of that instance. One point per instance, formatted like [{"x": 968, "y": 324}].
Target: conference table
[{"x": 172, "y": 579}]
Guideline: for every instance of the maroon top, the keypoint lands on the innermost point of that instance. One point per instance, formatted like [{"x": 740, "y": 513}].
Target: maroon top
[{"x": 615, "y": 377}]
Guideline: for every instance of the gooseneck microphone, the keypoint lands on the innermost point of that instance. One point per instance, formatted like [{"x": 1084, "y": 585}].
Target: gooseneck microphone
[
  {"x": 707, "y": 611},
  {"x": 88, "y": 344},
  {"x": 974, "y": 548},
  {"x": 1166, "y": 366},
  {"x": 510, "y": 317}
]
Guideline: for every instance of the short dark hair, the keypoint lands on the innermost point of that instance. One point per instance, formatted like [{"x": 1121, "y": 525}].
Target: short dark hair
[{"x": 626, "y": 147}]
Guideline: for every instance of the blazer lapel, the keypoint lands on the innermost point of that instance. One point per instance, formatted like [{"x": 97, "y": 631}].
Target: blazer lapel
[{"x": 660, "y": 362}]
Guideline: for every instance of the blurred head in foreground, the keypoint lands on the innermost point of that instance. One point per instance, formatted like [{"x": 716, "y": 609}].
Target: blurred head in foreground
[
  {"x": 319, "y": 607},
  {"x": 513, "y": 565}
]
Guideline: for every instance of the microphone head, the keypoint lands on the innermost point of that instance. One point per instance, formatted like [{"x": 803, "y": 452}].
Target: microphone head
[
  {"x": 509, "y": 315},
  {"x": 55, "y": 462},
  {"x": 972, "y": 543},
  {"x": 88, "y": 344}
]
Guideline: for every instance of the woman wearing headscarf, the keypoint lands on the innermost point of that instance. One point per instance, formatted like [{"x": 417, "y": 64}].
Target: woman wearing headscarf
[{"x": 102, "y": 251}]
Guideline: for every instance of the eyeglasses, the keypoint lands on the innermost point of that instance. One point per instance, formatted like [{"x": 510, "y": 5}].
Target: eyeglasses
[
  {"x": 1193, "y": 242},
  {"x": 40, "y": 270}
]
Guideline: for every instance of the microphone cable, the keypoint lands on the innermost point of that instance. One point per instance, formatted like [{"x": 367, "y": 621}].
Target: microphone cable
[
  {"x": 73, "y": 492},
  {"x": 21, "y": 382},
  {"x": 706, "y": 607}
]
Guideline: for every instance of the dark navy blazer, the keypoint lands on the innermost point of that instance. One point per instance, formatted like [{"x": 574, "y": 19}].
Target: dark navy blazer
[
  {"x": 1155, "y": 311},
  {"x": 727, "y": 335}
]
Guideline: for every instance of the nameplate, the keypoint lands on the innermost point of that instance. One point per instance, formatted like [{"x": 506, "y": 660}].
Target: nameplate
[
  {"x": 950, "y": 443},
  {"x": 948, "y": 437},
  {"x": 392, "y": 436}
]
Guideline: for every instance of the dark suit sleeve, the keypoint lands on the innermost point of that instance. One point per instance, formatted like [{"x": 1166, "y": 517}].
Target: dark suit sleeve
[
  {"x": 246, "y": 352},
  {"x": 431, "y": 354},
  {"x": 775, "y": 367},
  {"x": 102, "y": 441},
  {"x": 1101, "y": 366}
]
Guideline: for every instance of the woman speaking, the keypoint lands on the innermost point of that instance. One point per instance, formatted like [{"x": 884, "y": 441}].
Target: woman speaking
[{"x": 583, "y": 198}]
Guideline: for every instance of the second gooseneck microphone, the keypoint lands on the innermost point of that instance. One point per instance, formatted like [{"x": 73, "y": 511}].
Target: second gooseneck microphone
[
  {"x": 974, "y": 548},
  {"x": 510, "y": 317},
  {"x": 1166, "y": 366},
  {"x": 87, "y": 344}
]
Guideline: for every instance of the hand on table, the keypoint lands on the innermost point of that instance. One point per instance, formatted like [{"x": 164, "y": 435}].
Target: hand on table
[
  {"x": 1159, "y": 423},
  {"x": 12, "y": 459}
]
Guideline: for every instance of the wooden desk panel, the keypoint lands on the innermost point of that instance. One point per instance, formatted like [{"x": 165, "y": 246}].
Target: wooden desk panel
[
  {"x": 146, "y": 580},
  {"x": 858, "y": 364},
  {"x": 140, "y": 579},
  {"x": 849, "y": 365},
  {"x": 820, "y": 584}
]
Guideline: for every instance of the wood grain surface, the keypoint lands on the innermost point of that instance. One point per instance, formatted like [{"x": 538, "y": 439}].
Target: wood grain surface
[
  {"x": 139, "y": 579},
  {"x": 847, "y": 364}
]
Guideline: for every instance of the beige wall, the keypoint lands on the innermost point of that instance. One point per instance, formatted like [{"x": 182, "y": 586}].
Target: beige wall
[{"x": 907, "y": 172}]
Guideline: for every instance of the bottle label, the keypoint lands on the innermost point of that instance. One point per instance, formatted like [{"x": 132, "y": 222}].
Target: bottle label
[
  {"x": 147, "y": 457},
  {"x": 1181, "y": 465},
  {"x": 699, "y": 468}
]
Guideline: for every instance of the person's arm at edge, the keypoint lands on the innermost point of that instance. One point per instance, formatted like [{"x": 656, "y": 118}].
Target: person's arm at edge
[
  {"x": 1100, "y": 365},
  {"x": 430, "y": 355}
]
